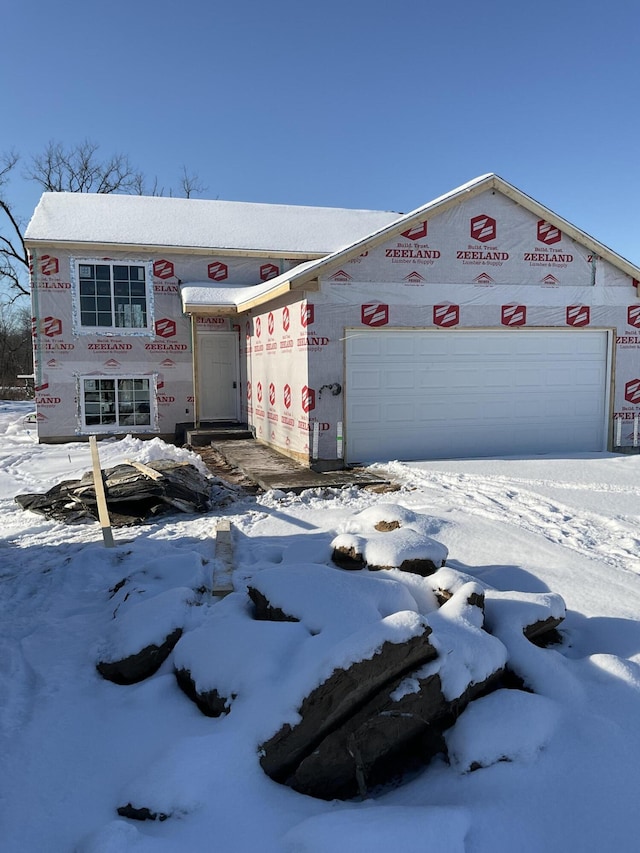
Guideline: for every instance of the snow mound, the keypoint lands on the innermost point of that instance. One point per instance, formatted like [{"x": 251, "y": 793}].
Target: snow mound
[
  {"x": 389, "y": 535},
  {"x": 233, "y": 653},
  {"x": 177, "y": 783},
  {"x": 370, "y": 830},
  {"x": 118, "y": 836},
  {"x": 466, "y": 653},
  {"x": 320, "y": 596},
  {"x": 147, "y": 623},
  {"x": 527, "y": 724}
]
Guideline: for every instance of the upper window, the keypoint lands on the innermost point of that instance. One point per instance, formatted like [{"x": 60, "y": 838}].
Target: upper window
[{"x": 113, "y": 295}]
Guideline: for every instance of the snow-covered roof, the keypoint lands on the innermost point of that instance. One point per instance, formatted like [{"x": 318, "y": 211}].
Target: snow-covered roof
[
  {"x": 438, "y": 205},
  {"x": 108, "y": 219},
  {"x": 201, "y": 297}
]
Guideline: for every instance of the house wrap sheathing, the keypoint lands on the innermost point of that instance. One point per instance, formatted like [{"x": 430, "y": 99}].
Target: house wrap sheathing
[{"x": 479, "y": 324}]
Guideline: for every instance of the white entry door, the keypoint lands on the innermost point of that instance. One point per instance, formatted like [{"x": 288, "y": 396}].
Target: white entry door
[{"x": 219, "y": 380}]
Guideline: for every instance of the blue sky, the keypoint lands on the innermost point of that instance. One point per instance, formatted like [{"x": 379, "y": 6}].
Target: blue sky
[{"x": 342, "y": 103}]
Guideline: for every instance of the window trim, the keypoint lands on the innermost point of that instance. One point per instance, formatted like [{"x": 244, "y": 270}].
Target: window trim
[
  {"x": 142, "y": 331},
  {"x": 117, "y": 428}
]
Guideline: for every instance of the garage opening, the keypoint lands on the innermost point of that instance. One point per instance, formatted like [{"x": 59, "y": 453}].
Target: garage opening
[{"x": 443, "y": 394}]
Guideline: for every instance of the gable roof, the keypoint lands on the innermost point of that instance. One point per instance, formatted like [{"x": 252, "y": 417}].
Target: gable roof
[
  {"x": 194, "y": 294},
  {"x": 230, "y": 227}
]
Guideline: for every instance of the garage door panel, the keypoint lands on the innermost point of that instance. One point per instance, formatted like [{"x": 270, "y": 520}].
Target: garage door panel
[
  {"x": 432, "y": 377},
  {"x": 394, "y": 414},
  {"x": 366, "y": 380},
  {"x": 362, "y": 416},
  {"x": 364, "y": 345},
  {"x": 588, "y": 376},
  {"x": 400, "y": 379},
  {"x": 496, "y": 377},
  {"x": 399, "y": 346},
  {"x": 454, "y": 393}
]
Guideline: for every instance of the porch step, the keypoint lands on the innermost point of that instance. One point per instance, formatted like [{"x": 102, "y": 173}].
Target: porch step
[{"x": 203, "y": 435}]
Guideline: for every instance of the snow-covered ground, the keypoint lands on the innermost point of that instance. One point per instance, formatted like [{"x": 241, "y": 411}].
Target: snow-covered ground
[{"x": 74, "y": 747}]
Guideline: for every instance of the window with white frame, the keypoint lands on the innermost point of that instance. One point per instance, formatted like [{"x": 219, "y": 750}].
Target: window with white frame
[
  {"x": 113, "y": 295},
  {"x": 113, "y": 402}
]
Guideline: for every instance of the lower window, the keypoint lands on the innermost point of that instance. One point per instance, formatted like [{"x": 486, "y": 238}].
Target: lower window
[{"x": 116, "y": 402}]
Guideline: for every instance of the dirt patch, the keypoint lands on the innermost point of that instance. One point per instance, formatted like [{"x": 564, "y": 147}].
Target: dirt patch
[{"x": 387, "y": 526}]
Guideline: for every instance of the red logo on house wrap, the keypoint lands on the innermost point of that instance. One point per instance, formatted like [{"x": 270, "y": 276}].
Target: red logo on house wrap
[
  {"x": 247, "y": 329},
  {"x": 483, "y": 228},
  {"x": 166, "y": 328},
  {"x": 375, "y": 314},
  {"x": 287, "y": 396},
  {"x": 272, "y": 394},
  {"x": 417, "y": 232},
  {"x": 578, "y": 315},
  {"x": 286, "y": 319},
  {"x": 514, "y": 315},
  {"x": 270, "y": 323},
  {"x": 633, "y": 316},
  {"x": 51, "y": 326},
  {"x": 341, "y": 275},
  {"x": 548, "y": 233},
  {"x": 258, "y": 326},
  {"x": 632, "y": 391},
  {"x": 259, "y": 391},
  {"x": 49, "y": 265},
  {"x": 248, "y": 390},
  {"x": 268, "y": 271},
  {"x": 307, "y": 315},
  {"x": 308, "y": 399},
  {"x": 217, "y": 271},
  {"x": 162, "y": 269},
  {"x": 446, "y": 315}
]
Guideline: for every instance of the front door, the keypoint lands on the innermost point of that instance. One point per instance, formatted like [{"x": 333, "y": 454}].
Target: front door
[{"x": 218, "y": 372}]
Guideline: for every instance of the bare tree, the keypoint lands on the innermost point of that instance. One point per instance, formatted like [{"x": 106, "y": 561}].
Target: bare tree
[
  {"x": 14, "y": 258},
  {"x": 190, "y": 184},
  {"x": 79, "y": 169},
  {"x": 16, "y": 356}
]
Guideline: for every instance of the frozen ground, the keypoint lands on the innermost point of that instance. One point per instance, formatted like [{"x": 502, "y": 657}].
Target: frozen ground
[{"x": 74, "y": 747}]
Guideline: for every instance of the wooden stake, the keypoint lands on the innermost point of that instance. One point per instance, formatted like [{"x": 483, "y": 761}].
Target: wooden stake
[{"x": 103, "y": 511}]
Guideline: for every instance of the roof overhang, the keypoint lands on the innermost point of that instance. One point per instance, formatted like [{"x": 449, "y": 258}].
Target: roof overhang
[
  {"x": 206, "y": 300},
  {"x": 137, "y": 248}
]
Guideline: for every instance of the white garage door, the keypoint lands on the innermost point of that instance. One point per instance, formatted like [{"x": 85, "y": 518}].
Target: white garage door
[{"x": 454, "y": 394}]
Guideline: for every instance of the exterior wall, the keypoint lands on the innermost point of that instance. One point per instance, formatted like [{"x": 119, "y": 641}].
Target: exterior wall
[
  {"x": 278, "y": 402},
  {"x": 63, "y": 351},
  {"x": 450, "y": 273},
  {"x": 484, "y": 263}
]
